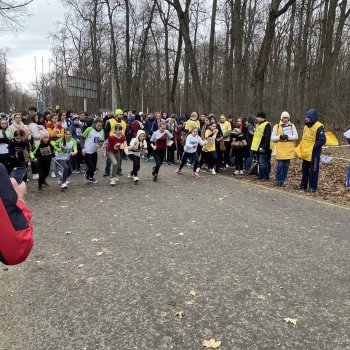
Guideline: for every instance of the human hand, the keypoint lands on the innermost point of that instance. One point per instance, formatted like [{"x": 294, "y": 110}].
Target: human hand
[{"x": 21, "y": 189}]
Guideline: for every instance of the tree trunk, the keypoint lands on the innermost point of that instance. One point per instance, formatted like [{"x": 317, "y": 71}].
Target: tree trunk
[{"x": 211, "y": 57}]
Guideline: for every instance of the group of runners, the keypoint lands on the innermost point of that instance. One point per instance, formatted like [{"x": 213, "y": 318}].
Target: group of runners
[{"x": 61, "y": 143}]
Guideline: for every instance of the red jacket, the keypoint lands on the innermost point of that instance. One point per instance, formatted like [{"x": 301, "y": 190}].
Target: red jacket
[{"x": 16, "y": 230}]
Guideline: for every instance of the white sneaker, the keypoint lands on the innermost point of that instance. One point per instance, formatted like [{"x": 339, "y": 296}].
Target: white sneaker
[
  {"x": 35, "y": 176},
  {"x": 113, "y": 181},
  {"x": 136, "y": 179},
  {"x": 241, "y": 172},
  {"x": 198, "y": 170},
  {"x": 53, "y": 174},
  {"x": 227, "y": 166},
  {"x": 60, "y": 182},
  {"x": 130, "y": 176},
  {"x": 213, "y": 171},
  {"x": 236, "y": 172},
  {"x": 64, "y": 185}
]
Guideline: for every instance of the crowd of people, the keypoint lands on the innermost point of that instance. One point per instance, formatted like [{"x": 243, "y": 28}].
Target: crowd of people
[{"x": 58, "y": 144}]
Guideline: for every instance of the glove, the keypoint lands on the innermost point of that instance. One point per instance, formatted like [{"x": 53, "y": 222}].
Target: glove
[
  {"x": 261, "y": 150},
  {"x": 284, "y": 137}
]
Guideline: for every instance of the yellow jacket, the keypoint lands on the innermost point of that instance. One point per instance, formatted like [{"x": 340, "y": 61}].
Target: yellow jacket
[
  {"x": 225, "y": 127},
  {"x": 210, "y": 146}
]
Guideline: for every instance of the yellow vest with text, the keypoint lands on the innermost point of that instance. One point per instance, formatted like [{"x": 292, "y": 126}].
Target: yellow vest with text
[
  {"x": 225, "y": 127},
  {"x": 306, "y": 145},
  {"x": 258, "y": 135},
  {"x": 284, "y": 149}
]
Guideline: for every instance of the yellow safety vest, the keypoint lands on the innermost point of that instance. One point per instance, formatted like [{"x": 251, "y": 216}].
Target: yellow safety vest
[
  {"x": 225, "y": 127},
  {"x": 284, "y": 149},
  {"x": 113, "y": 123},
  {"x": 258, "y": 134},
  {"x": 306, "y": 145}
]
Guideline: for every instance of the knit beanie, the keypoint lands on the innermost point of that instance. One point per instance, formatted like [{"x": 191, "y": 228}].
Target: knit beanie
[{"x": 285, "y": 115}]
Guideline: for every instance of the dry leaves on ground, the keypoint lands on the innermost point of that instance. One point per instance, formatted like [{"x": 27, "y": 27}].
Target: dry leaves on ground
[
  {"x": 180, "y": 314},
  {"x": 68, "y": 233},
  {"x": 189, "y": 302},
  {"x": 212, "y": 343},
  {"x": 292, "y": 321},
  {"x": 95, "y": 240},
  {"x": 100, "y": 253},
  {"x": 193, "y": 293},
  {"x": 80, "y": 266}
]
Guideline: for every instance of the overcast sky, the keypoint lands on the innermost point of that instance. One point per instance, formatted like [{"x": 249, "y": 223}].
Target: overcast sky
[{"x": 32, "y": 40}]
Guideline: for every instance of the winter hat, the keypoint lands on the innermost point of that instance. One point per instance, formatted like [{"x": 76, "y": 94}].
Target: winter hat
[
  {"x": 44, "y": 133},
  {"x": 118, "y": 111},
  {"x": 312, "y": 114},
  {"x": 251, "y": 119},
  {"x": 285, "y": 115},
  {"x": 75, "y": 118},
  {"x": 140, "y": 132}
]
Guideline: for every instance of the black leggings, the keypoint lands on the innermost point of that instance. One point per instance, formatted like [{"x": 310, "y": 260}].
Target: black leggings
[
  {"x": 209, "y": 158},
  {"x": 44, "y": 170},
  {"x": 194, "y": 159},
  {"x": 4, "y": 159},
  {"x": 135, "y": 165},
  {"x": 91, "y": 163},
  {"x": 159, "y": 155}
]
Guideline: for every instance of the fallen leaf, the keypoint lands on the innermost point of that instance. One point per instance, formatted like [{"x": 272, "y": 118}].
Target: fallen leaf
[
  {"x": 180, "y": 314},
  {"x": 194, "y": 221},
  {"x": 64, "y": 206},
  {"x": 193, "y": 293},
  {"x": 99, "y": 253},
  {"x": 56, "y": 254},
  {"x": 257, "y": 296},
  {"x": 3, "y": 314},
  {"x": 95, "y": 240},
  {"x": 181, "y": 233},
  {"x": 221, "y": 199},
  {"x": 189, "y": 302},
  {"x": 80, "y": 280},
  {"x": 40, "y": 264},
  {"x": 212, "y": 343},
  {"x": 291, "y": 320},
  {"x": 68, "y": 232},
  {"x": 174, "y": 228},
  {"x": 80, "y": 266}
]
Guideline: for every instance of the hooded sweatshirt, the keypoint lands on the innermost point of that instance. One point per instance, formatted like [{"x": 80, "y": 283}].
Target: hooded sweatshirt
[{"x": 136, "y": 147}]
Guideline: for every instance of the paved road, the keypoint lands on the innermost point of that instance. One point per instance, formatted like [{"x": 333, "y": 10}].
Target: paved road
[{"x": 253, "y": 256}]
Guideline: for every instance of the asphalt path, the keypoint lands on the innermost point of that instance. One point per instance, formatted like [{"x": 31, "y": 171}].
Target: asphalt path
[{"x": 112, "y": 266}]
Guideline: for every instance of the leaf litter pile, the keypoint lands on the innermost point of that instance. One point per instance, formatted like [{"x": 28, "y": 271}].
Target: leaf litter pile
[{"x": 331, "y": 181}]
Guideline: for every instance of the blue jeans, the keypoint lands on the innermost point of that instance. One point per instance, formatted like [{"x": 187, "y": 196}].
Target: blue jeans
[
  {"x": 282, "y": 170},
  {"x": 248, "y": 161},
  {"x": 264, "y": 160}
]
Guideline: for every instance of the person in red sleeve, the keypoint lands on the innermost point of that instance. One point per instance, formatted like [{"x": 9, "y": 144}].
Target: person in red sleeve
[{"x": 16, "y": 230}]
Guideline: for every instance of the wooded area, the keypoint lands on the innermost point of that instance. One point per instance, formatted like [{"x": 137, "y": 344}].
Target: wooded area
[{"x": 232, "y": 56}]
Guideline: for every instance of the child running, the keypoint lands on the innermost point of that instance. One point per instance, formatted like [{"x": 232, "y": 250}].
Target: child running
[
  {"x": 18, "y": 151},
  {"x": 68, "y": 149},
  {"x": 42, "y": 153},
  {"x": 137, "y": 148},
  {"x": 116, "y": 142},
  {"x": 93, "y": 137},
  {"x": 159, "y": 142},
  {"x": 192, "y": 142}
]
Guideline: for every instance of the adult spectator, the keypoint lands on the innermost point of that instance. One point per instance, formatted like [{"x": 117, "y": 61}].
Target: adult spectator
[
  {"x": 261, "y": 145},
  {"x": 310, "y": 149},
  {"x": 284, "y": 135}
]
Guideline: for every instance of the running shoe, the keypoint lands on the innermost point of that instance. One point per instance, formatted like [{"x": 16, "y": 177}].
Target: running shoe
[
  {"x": 177, "y": 171},
  {"x": 213, "y": 171},
  {"x": 195, "y": 175},
  {"x": 53, "y": 174},
  {"x": 64, "y": 185},
  {"x": 136, "y": 179},
  {"x": 45, "y": 184}
]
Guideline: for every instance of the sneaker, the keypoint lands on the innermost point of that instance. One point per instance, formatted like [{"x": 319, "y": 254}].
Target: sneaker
[
  {"x": 105, "y": 174},
  {"x": 151, "y": 158},
  {"x": 35, "y": 176},
  {"x": 195, "y": 175},
  {"x": 113, "y": 181},
  {"x": 130, "y": 176},
  {"x": 53, "y": 174},
  {"x": 155, "y": 178},
  {"x": 93, "y": 181},
  {"x": 76, "y": 171},
  {"x": 60, "y": 182},
  {"x": 45, "y": 184},
  {"x": 64, "y": 185},
  {"x": 300, "y": 188},
  {"x": 198, "y": 170},
  {"x": 177, "y": 171},
  {"x": 136, "y": 179},
  {"x": 153, "y": 171},
  {"x": 40, "y": 189},
  {"x": 236, "y": 172},
  {"x": 241, "y": 172},
  {"x": 213, "y": 171},
  {"x": 88, "y": 180},
  {"x": 227, "y": 166}
]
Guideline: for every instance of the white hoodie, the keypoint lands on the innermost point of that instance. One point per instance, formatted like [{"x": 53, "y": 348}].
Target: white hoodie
[
  {"x": 192, "y": 143},
  {"x": 136, "y": 147}
]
